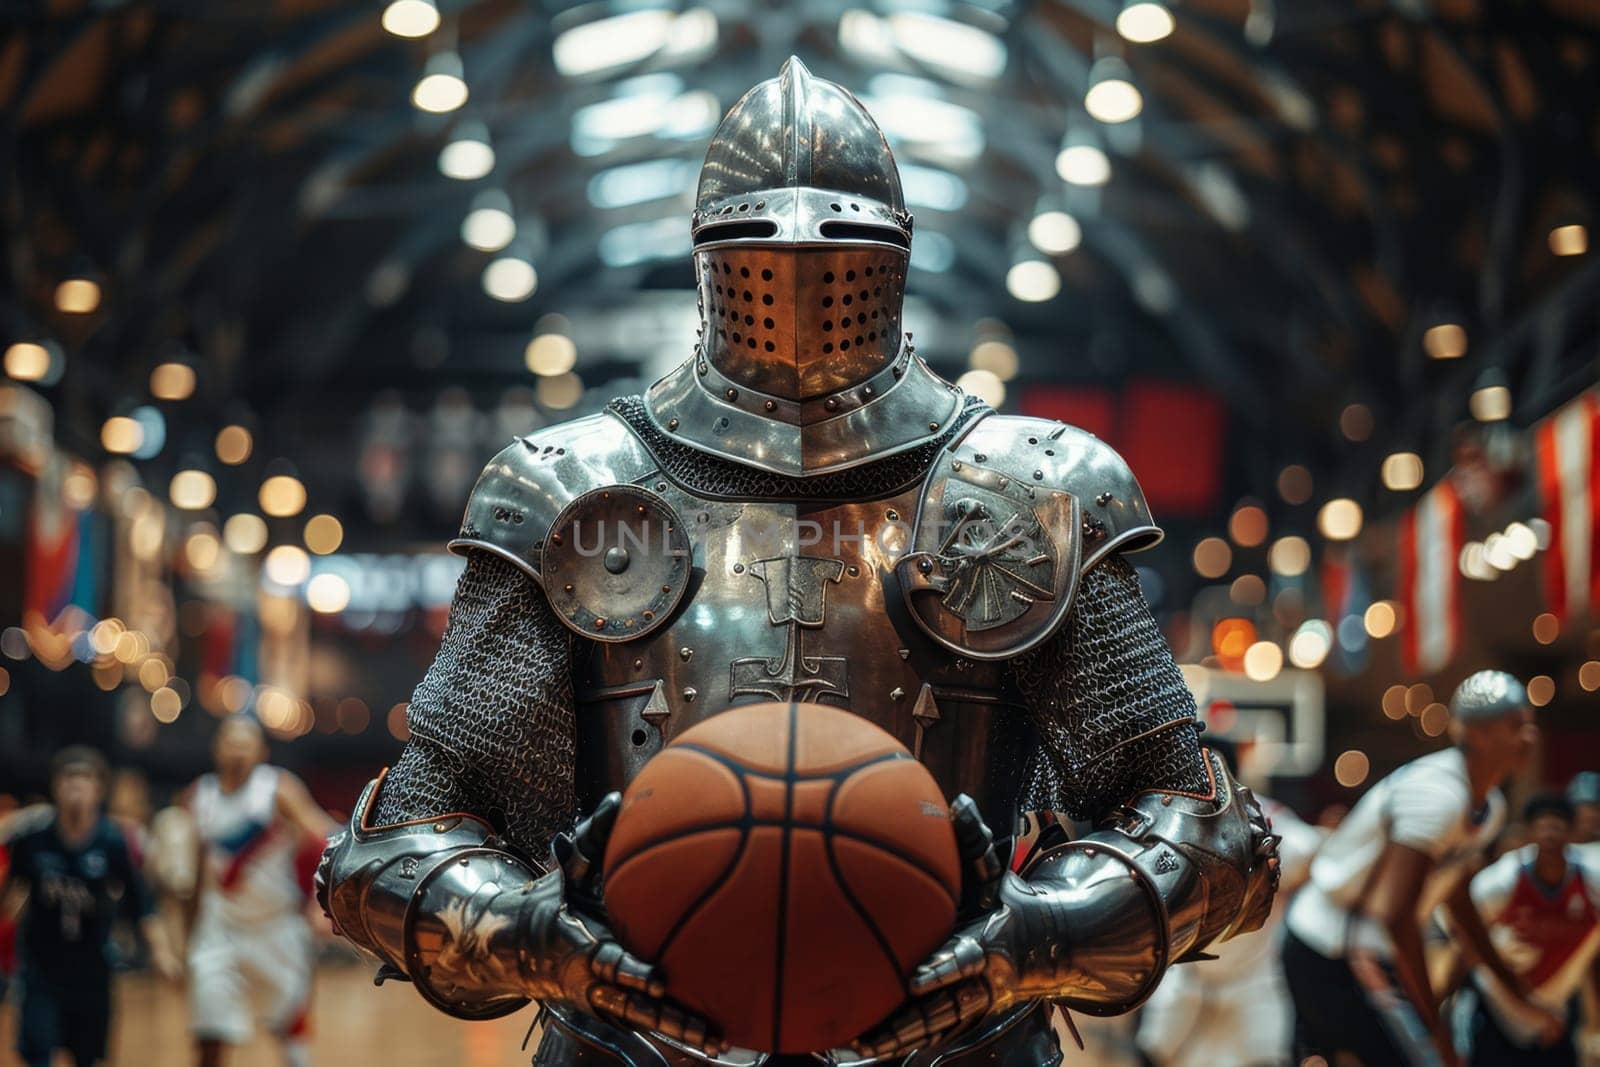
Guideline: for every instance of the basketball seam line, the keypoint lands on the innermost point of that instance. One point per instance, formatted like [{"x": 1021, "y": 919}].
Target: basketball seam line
[
  {"x": 849, "y": 894},
  {"x": 751, "y": 824},
  {"x": 711, "y": 888},
  {"x": 834, "y": 776},
  {"x": 783, "y": 875}
]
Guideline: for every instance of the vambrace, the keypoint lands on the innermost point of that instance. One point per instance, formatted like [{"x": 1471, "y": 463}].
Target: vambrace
[
  {"x": 1098, "y": 920},
  {"x": 435, "y": 901},
  {"x": 440, "y": 901}
]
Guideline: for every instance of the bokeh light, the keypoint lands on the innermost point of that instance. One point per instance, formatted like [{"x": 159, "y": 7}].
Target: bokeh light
[
  {"x": 1351, "y": 768},
  {"x": 233, "y": 445}
]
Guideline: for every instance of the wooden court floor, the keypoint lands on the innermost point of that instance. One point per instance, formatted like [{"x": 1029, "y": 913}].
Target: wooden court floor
[
  {"x": 356, "y": 1025},
  {"x": 352, "y": 1024}
]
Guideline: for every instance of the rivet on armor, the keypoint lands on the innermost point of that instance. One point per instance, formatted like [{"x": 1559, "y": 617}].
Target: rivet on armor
[
  {"x": 868, "y": 391},
  {"x": 661, "y": 487},
  {"x": 616, "y": 559},
  {"x": 638, "y": 664},
  {"x": 1103, "y": 499},
  {"x": 689, "y": 693},
  {"x": 899, "y": 372},
  {"x": 439, "y": 827},
  {"x": 956, "y": 465},
  {"x": 555, "y": 539},
  {"x": 832, "y": 403},
  {"x": 567, "y": 588},
  {"x": 1004, "y": 482},
  {"x": 600, "y": 623},
  {"x": 685, "y": 653},
  {"x": 897, "y": 693},
  {"x": 933, "y": 425},
  {"x": 892, "y": 515},
  {"x": 905, "y": 653},
  {"x": 732, "y": 394},
  {"x": 980, "y": 457},
  {"x": 1089, "y": 851},
  {"x": 738, "y": 568},
  {"x": 1166, "y": 800},
  {"x": 855, "y": 572},
  {"x": 925, "y": 566},
  {"x": 703, "y": 369},
  {"x": 771, "y": 405},
  {"x": 648, "y": 615},
  {"x": 1038, "y": 476},
  {"x": 672, "y": 424}
]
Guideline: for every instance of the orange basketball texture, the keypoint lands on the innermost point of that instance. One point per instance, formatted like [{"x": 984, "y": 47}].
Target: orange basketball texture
[{"x": 786, "y": 865}]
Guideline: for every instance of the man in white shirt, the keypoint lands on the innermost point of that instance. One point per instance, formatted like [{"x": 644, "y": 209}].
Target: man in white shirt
[
  {"x": 1542, "y": 904},
  {"x": 1353, "y": 950}
]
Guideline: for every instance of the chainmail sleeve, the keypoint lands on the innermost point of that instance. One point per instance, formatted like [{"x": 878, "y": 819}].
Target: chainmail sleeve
[
  {"x": 492, "y": 727},
  {"x": 1109, "y": 703}
]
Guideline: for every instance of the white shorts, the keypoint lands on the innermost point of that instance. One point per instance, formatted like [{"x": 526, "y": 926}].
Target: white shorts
[
  {"x": 1189, "y": 1023},
  {"x": 232, "y": 968}
]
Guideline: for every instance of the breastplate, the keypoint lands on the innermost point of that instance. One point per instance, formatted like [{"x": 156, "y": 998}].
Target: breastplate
[{"x": 799, "y": 601}]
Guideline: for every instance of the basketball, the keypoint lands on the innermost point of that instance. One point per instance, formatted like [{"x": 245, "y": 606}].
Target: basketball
[{"x": 786, "y": 865}]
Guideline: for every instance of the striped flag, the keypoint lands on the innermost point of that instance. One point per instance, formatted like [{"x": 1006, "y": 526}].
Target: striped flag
[
  {"x": 1431, "y": 537},
  {"x": 1346, "y": 595},
  {"x": 1565, "y": 445}
]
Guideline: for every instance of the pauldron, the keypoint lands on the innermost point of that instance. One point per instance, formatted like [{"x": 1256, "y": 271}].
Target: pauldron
[{"x": 1011, "y": 515}]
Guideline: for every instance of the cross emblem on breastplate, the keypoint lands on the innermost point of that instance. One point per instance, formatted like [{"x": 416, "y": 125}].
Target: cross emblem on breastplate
[{"x": 796, "y": 599}]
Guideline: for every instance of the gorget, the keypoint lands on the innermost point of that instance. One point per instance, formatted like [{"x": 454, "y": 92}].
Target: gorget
[{"x": 902, "y": 406}]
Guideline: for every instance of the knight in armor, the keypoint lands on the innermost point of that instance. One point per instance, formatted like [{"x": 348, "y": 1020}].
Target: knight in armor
[{"x": 811, "y": 514}]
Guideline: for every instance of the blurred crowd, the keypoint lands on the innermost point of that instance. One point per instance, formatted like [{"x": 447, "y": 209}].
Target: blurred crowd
[{"x": 212, "y": 893}]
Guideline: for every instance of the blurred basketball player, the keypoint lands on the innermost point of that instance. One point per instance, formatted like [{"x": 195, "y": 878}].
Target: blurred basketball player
[
  {"x": 1542, "y": 904},
  {"x": 75, "y": 865},
  {"x": 247, "y": 921},
  {"x": 1353, "y": 950}
]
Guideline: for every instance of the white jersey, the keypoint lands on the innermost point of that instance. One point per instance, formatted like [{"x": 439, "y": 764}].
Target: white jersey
[
  {"x": 249, "y": 875},
  {"x": 1425, "y": 805}
]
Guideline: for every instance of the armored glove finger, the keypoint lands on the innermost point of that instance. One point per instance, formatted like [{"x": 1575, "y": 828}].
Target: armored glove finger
[
  {"x": 641, "y": 1011},
  {"x": 960, "y": 958},
  {"x": 981, "y": 866},
  {"x": 927, "y": 1020},
  {"x": 578, "y": 854}
]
